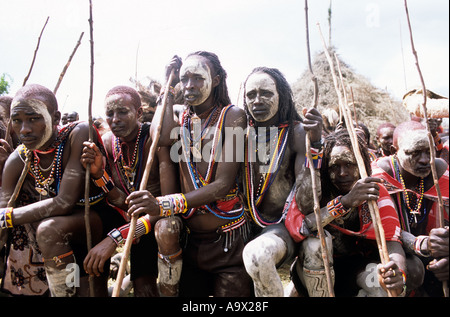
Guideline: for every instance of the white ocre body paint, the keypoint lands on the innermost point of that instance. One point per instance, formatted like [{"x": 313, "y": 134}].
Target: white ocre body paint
[{"x": 261, "y": 88}]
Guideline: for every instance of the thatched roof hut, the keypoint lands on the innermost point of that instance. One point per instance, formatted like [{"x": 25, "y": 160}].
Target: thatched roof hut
[{"x": 373, "y": 105}]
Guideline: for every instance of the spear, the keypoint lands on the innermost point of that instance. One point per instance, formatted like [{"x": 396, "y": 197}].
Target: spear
[
  {"x": 67, "y": 64},
  {"x": 316, "y": 185},
  {"x": 88, "y": 177},
  {"x": 35, "y": 53},
  {"x": 373, "y": 207},
  {"x": 142, "y": 186},
  {"x": 440, "y": 215}
]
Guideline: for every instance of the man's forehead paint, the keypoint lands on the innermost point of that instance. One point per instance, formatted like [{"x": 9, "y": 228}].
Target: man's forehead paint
[
  {"x": 40, "y": 108},
  {"x": 339, "y": 153}
]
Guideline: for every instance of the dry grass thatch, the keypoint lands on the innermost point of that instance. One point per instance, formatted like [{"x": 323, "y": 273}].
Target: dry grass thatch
[{"x": 373, "y": 105}]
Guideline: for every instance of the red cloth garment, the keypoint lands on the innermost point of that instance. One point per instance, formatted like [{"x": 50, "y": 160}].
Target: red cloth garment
[
  {"x": 388, "y": 216},
  {"x": 394, "y": 187}
]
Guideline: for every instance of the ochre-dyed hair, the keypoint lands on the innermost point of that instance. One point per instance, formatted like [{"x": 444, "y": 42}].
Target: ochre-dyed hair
[
  {"x": 403, "y": 128},
  {"x": 35, "y": 91},
  {"x": 125, "y": 90},
  {"x": 220, "y": 92}
]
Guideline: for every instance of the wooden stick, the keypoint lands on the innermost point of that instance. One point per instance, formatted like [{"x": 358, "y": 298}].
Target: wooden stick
[
  {"x": 315, "y": 184},
  {"x": 67, "y": 64},
  {"x": 142, "y": 186},
  {"x": 373, "y": 207},
  {"x": 440, "y": 214},
  {"x": 88, "y": 175},
  {"x": 35, "y": 52}
]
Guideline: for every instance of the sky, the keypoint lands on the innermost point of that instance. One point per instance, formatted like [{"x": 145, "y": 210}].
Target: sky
[{"x": 139, "y": 37}]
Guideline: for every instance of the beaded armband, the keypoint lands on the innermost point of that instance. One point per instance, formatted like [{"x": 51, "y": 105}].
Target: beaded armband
[
  {"x": 143, "y": 226},
  {"x": 6, "y": 218},
  {"x": 105, "y": 182},
  {"x": 172, "y": 204},
  {"x": 335, "y": 208},
  {"x": 317, "y": 155},
  {"x": 418, "y": 246}
]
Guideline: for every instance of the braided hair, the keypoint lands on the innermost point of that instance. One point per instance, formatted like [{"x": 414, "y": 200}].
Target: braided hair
[
  {"x": 340, "y": 137},
  {"x": 286, "y": 106},
  {"x": 220, "y": 92}
]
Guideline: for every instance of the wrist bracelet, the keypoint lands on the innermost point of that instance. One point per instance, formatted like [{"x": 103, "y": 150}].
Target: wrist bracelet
[
  {"x": 161, "y": 94},
  {"x": 6, "y": 218},
  {"x": 172, "y": 204},
  {"x": 105, "y": 182},
  {"x": 418, "y": 246},
  {"x": 335, "y": 207},
  {"x": 116, "y": 236},
  {"x": 143, "y": 226}
]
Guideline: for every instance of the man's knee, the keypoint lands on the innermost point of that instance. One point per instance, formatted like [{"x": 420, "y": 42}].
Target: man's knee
[
  {"x": 262, "y": 252},
  {"x": 167, "y": 233},
  {"x": 311, "y": 252},
  {"x": 415, "y": 272},
  {"x": 51, "y": 232}
]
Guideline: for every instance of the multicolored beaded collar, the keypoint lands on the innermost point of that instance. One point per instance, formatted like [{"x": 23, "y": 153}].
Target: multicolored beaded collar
[
  {"x": 255, "y": 197},
  {"x": 197, "y": 179}
]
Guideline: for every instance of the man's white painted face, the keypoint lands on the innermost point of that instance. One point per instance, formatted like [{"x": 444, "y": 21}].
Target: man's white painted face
[
  {"x": 261, "y": 97},
  {"x": 32, "y": 111},
  {"x": 414, "y": 153},
  {"x": 195, "y": 76}
]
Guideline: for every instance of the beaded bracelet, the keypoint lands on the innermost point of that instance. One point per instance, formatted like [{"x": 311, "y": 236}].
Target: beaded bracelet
[
  {"x": 335, "y": 207},
  {"x": 172, "y": 204},
  {"x": 403, "y": 293},
  {"x": 105, "y": 182},
  {"x": 418, "y": 246},
  {"x": 317, "y": 155},
  {"x": 143, "y": 226},
  {"x": 6, "y": 218},
  {"x": 161, "y": 94}
]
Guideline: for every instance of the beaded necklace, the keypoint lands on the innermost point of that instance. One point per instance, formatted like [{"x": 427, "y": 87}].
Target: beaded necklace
[
  {"x": 197, "y": 179},
  {"x": 128, "y": 167},
  {"x": 44, "y": 185},
  {"x": 413, "y": 213},
  {"x": 254, "y": 198}
]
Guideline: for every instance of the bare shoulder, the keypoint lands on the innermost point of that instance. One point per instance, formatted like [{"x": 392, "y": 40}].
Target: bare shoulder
[
  {"x": 236, "y": 117},
  {"x": 441, "y": 167},
  {"x": 384, "y": 163}
]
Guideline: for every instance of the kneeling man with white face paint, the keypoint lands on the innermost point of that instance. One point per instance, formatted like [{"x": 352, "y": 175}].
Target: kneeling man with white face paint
[
  {"x": 275, "y": 173},
  {"x": 411, "y": 185},
  {"x": 47, "y": 224}
]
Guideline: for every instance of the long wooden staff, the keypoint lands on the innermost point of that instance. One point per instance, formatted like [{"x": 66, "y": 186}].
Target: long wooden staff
[
  {"x": 142, "y": 186},
  {"x": 440, "y": 214},
  {"x": 373, "y": 207},
  {"x": 67, "y": 64},
  {"x": 316, "y": 185},
  {"x": 8, "y": 128},
  {"x": 35, "y": 53},
  {"x": 88, "y": 172}
]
